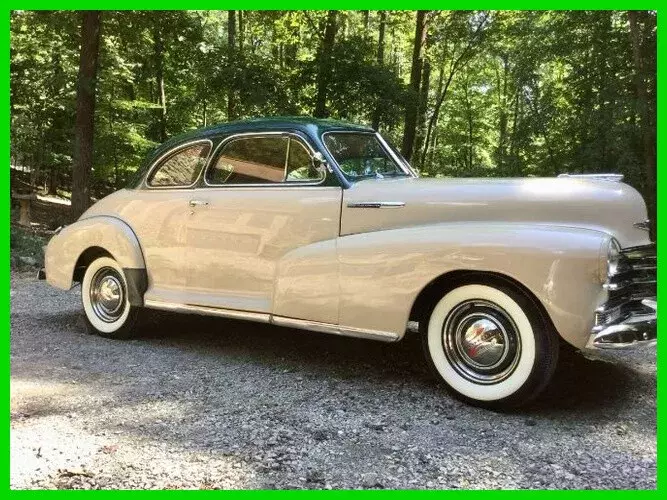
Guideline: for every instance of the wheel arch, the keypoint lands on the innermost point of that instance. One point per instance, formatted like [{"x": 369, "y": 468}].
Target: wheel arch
[
  {"x": 447, "y": 281},
  {"x": 85, "y": 259},
  {"x": 70, "y": 252}
]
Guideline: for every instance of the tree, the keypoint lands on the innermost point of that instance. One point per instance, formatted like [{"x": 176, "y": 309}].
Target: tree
[
  {"x": 158, "y": 45},
  {"x": 642, "y": 49},
  {"x": 412, "y": 104},
  {"x": 457, "y": 62},
  {"x": 85, "y": 111},
  {"x": 491, "y": 93},
  {"x": 231, "y": 49},
  {"x": 377, "y": 115},
  {"x": 325, "y": 63}
]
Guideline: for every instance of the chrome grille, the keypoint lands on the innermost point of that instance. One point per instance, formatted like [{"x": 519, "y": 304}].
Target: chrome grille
[{"x": 634, "y": 281}]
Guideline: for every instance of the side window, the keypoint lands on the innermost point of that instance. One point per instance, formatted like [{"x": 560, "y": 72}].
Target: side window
[
  {"x": 250, "y": 160},
  {"x": 300, "y": 165},
  {"x": 181, "y": 168}
]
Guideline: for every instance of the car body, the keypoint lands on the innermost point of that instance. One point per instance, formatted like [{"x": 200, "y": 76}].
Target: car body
[{"x": 322, "y": 225}]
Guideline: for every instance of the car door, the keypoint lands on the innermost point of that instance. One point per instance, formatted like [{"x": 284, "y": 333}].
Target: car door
[{"x": 262, "y": 200}]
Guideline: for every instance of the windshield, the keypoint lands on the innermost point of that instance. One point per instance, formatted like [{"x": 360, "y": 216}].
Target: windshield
[{"x": 360, "y": 156}]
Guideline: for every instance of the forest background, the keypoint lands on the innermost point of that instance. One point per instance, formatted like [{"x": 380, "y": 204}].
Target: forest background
[{"x": 461, "y": 93}]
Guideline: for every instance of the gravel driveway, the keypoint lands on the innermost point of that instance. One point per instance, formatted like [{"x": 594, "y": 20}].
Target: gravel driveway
[{"x": 199, "y": 402}]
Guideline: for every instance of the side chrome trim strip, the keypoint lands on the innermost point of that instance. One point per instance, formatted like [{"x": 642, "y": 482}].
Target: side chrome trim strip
[
  {"x": 376, "y": 204},
  {"x": 275, "y": 320},
  {"x": 208, "y": 311},
  {"x": 334, "y": 329}
]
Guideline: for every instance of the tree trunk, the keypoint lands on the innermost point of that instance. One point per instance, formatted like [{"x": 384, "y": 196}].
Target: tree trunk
[
  {"x": 325, "y": 64},
  {"x": 470, "y": 146},
  {"x": 85, "y": 111},
  {"x": 241, "y": 31},
  {"x": 502, "y": 119},
  {"x": 53, "y": 180},
  {"x": 429, "y": 140},
  {"x": 377, "y": 115},
  {"x": 430, "y": 130},
  {"x": 59, "y": 123},
  {"x": 647, "y": 123},
  {"x": 412, "y": 106},
  {"x": 231, "y": 49},
  {"x": 159, "y": 79},
  {"x": 421, "y": 115},
  {"x": 513, "y": 156},
  {"x": 367, "y": 15}
]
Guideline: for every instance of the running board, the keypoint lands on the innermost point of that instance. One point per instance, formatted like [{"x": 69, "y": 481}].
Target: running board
[{"x": 274, "y": 320}]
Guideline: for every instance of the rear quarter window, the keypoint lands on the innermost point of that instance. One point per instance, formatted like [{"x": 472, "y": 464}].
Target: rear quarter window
[{"x": 180, "y": 168}]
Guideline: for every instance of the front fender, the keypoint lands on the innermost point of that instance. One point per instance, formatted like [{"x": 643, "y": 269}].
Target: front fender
[
  {"x": 106, "y": 232},
  {"x": 382, "y": 273}
]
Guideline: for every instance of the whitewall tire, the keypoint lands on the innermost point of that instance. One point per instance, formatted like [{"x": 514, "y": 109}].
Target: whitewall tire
[
  {"x": 105, "y": 300},
  {"x": 489, "y": 344}
]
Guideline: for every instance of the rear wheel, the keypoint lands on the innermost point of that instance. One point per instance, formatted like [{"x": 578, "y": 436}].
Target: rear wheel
[
  {"x": 490, "y": 345},
  {"x": 105, "y": 301}
]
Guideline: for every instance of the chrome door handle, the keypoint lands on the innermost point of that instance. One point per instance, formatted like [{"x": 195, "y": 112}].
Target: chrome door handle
[
  {"x": 198, "y": 203},
  {"x": 376, "y": 204}
]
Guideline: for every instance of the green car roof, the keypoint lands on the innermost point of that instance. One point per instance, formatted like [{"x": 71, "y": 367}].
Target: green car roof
[{"x": 305, "y": 124}]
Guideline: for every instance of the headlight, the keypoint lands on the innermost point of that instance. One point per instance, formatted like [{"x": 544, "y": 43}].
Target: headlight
[{"x": 610, "y": 257}]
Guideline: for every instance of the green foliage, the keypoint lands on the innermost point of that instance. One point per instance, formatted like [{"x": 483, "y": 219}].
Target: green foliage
[
  {"x": 26, "y": 248},
  {"x": 509, "y": 92}
]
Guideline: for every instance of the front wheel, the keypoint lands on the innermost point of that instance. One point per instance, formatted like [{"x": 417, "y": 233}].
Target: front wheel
[
  {"x": 490, "y": 345},
  {"x": 105, "y": 301}
]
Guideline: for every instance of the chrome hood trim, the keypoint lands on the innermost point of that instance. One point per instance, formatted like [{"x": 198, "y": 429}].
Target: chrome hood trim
[{"x": 595, "y": 177}]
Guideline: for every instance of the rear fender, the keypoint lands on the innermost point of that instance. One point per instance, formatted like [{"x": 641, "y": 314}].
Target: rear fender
[{"x": 107, "y": 233}]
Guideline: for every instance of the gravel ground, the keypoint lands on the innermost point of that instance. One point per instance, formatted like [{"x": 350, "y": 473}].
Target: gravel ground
[{"x": 199, "y": 402}]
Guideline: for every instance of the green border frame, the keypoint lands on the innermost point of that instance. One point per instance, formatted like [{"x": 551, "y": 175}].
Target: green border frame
[{"x": 661, "y": 179}]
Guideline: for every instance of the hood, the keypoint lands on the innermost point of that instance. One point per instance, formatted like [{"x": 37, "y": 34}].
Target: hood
[{"x": 601, "y": 205}]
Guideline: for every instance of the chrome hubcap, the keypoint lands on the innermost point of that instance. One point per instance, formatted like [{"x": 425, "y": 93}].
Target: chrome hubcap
[
  {"x": 481, "y": 342},
  {"x": 107, "y": 295}
]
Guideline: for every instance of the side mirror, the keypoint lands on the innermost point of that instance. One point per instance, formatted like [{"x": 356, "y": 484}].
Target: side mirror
[{"x": 319, "y": 163}]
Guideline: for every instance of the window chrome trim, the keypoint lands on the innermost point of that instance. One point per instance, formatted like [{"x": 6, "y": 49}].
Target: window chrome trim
[
  {"x": 283, "y": 184},
  {"x": 184, "y": 145},
  {"x": 383, "y": 145},
  {"x": 400, "y": 161}
]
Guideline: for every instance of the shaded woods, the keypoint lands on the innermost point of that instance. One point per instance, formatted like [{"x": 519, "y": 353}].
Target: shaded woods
[{"x": 463, "y": 93}]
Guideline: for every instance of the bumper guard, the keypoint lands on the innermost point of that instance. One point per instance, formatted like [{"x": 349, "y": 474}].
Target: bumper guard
[{"x": 629, "y": 317}]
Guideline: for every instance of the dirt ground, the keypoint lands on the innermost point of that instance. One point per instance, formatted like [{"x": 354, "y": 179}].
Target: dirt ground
[{"x": 197, "y": 402}]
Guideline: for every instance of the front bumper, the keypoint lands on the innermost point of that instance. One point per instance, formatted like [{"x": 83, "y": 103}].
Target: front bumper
[
  {"x": 638, "y": 328},
  {"x": 629, "y": 317}
]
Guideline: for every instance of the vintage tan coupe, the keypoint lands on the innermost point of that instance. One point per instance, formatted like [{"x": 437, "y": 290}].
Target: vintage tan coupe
[{"x": 322, "y": 225}]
